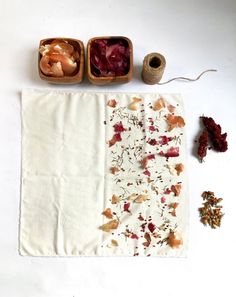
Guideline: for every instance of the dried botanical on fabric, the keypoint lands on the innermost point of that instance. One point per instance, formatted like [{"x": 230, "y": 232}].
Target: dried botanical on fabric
[
  {"x": 144, "y": 150},
  {"x": 109, "y": 176}
]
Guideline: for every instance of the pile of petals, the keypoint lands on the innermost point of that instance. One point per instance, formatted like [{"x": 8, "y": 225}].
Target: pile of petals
[
  {"x": 109, "y": 57},
  {"x": 59, "y": 58},
  {"x": 212, "y": 133}
]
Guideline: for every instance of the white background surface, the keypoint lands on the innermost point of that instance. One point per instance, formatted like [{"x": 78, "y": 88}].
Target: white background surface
[{"x": 193, "y": 36}]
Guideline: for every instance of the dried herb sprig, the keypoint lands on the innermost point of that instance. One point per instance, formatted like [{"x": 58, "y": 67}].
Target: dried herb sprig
[{"x": 211, "y": 213}]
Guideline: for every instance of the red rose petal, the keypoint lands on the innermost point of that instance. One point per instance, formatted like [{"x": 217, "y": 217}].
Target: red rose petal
[
  {"x": 171, "y": 152},
  {"x": 151, "y": 227},
  {"x": 147, "y": 172}
]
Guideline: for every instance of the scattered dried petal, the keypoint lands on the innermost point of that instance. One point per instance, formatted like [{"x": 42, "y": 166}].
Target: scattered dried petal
[
  {"x": 115, "y": 199},
  {"x": 167, "y": 191},
  {"x": 151, "y": 128},
  {"x": 173, "y": 205},
  {"x": 140, "y": 217},
  {"x": 112, "y": 103},
  {"x": 164, "y": 139},
  {"x": 175, "y": 169},
  {"x": 133, "y": 196},
  {"x": 163, "y": 199},
  {"x": 144, "y": 162},
  {"x": 141, "y": 198},
  {"x": 134, "y": 236},
  {"x": 147, "y": 172},
  {"x": 134, "y": 105},
  {"x": 118, "y": 127},
  {"x": 135, "y": 99},
  {"x": 114, "y": 243},
  {"x": 126, "y": 206},
  {"x": 174, "y": 121},
  {"x": 116, "y": 138},
  {"x": 171, "y": 108},
  {"x": 111, "y": 225},
  {"x": 148, "y": 239},
  {"x": 151, "y": 227},
  {"x": 152, "y": 142},
  {"x": 108, "y": 213},
  {"x": 159, "y": 104},
  {"x": 179, "y": 168},
  {"x": 174, "y": 240},
  {"x": 171, "y": 152},
  {"x": 173, "y": 212},
  {"x": 114, "y": 170},
  {"x": 176, "y": 189}
]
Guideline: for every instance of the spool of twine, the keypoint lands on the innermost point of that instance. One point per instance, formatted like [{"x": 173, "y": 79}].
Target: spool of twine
[{"x": 153, "y": 68}]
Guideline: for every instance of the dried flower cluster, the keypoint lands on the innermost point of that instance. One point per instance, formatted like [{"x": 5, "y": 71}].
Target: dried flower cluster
[
  {"x": 212, "y": 133},
  {"x": 210, "y": 213}
]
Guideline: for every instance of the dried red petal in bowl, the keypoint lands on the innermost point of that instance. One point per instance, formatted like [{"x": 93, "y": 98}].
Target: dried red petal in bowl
[{"x": 109, "y": 57}]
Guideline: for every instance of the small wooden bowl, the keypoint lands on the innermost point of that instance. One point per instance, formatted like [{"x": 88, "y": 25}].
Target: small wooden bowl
[
  {"x": 103, "y": 80},
  {"x": 76, "y": 77}
]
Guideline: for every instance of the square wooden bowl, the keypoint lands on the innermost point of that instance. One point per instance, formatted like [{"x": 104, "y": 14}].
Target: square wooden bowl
[
  {"x": 76, "y": 77},
  {"x": 103, "y": 80}
]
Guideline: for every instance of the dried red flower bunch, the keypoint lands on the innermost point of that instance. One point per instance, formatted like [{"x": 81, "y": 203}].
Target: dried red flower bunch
[
  {"x": 212, "y": 133},
  {"x": 214, "y": 130}
]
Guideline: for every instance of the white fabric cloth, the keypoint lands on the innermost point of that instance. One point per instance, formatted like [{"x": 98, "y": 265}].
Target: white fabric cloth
[{"x": 67, "y": 181}]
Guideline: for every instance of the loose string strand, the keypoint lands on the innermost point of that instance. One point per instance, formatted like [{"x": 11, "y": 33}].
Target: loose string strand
[{"x": 186, "y": 78}]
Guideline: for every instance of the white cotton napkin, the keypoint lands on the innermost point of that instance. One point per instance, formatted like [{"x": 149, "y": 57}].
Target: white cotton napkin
[{"x": 92, "y": 161}]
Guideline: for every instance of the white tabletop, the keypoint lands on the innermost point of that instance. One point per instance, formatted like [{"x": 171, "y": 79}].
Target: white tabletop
[{"x": 193, "y": 36}]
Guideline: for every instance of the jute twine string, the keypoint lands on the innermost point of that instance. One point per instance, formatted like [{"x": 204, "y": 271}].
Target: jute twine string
[{"x": 153, "y": 68}]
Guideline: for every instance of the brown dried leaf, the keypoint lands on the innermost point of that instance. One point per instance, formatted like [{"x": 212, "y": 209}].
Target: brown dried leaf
[
  {"x": 175, "y": 121},
  {"x": 115, "y": 199},
  {"x": 141, "y": 198},
  {"x": 108, "y": 213},
  {"x": 111, "y": 225},
  {"x": 176, "y": 189},
  {"x": 159, "y": 104}
]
